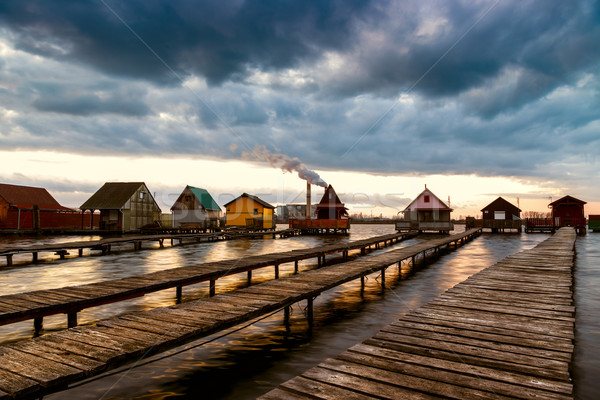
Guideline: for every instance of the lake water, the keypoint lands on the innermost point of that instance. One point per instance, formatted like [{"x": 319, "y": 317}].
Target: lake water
[{"x": 245, "y": 363}]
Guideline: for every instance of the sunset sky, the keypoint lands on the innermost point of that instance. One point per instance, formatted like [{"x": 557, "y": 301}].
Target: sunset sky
[{"x": 476, "y": 99}]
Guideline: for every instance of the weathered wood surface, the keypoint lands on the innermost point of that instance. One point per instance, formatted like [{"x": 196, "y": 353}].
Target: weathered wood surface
[
  {"x": 50, "y": 362},
  {"x": 41, "y": 303},
  {"x": 505, "y": 332}
]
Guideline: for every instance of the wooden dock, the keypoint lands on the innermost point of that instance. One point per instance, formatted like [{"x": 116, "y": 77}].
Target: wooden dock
[
  {"x": 70, "y": 300},
  {"x": 105, "y": 245},
  {"x": 506, "y": 332},
  {"x": 49, "y": 363}
]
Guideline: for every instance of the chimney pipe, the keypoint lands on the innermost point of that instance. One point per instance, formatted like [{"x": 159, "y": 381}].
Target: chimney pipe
[{"x": 308, "y": 200}]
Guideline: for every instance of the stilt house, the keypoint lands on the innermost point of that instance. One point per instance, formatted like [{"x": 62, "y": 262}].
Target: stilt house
[
  {"x": 500, "y": 215},
  {"x": 196, "y": 208},
  {"x": 124, "y": 206},
  {"x": 426, "y": 213},
  {"x": 330, "y": 206},
  {"x": 568, "y": 211},
  {"x": 248, "y": 211}
]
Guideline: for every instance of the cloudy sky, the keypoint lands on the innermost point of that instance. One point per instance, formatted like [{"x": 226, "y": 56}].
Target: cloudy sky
[{"x": 476, "y": 99}]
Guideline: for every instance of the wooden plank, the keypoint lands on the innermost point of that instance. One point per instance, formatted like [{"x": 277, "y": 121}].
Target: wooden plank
[
  {"x": 362, "y": 385},
  {"x": 384, "y": 356},
  {"x": 44, "y": 371},
  {"x": 280, "y": 394},
  {"x": 310, "y": 388},
  {"x": 436, "y": 381}
]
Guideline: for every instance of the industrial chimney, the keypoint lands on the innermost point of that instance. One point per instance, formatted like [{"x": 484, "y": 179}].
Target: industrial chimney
[{"x": 308, "y": 200}]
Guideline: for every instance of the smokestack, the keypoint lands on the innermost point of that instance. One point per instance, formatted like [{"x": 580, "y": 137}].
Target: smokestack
[{"x": 308, "y": 200}]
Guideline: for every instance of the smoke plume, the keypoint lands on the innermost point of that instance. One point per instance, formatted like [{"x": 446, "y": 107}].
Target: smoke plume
[{"x": 285, "y": 163}]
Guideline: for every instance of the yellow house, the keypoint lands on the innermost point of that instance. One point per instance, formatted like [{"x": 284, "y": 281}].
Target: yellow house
[{"x": 250, "y": 212}]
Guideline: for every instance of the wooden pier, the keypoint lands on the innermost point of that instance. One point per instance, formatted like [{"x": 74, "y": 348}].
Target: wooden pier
[
  {"x": 49, "y": 363},
  {"x": 506, "y": 332},
  {"x": 105, "y": 245},
  {"x": 71, "y": 300}
]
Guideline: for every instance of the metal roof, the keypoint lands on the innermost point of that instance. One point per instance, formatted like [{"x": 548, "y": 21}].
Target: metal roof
[
  {"x": 205, "y": 198},
  {"x": 256, "y": 199},
  {"x": 27, "y": 196},
  {"x": 112, "y": 196}
]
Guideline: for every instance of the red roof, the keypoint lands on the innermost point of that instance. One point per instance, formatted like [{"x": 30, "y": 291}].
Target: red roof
[{"x": 27, "y": 196}]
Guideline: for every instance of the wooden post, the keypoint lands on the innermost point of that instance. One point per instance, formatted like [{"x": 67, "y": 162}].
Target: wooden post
[
  {"x": 318, "y": 261},
  {"x": 34, "y": 257},
  {"x": 178, "y": 294},
  {"x": 9, "y": 260},
  {"x": 211, "y": 289},
  {"x": 286, "y": 315},
  {"x": 296, "y": 267},
  {"x": 276, "y": 271},
  {"x": 383, "y": 280},
  {"x": 309, "y": 311},
  {"x": 249, "y": 277},
  {"x": 81, "y": 252},
  {"x": 160, "y": 242},
  {"x": 38, "y": 325},
  {"x": 72, "y": 319}
]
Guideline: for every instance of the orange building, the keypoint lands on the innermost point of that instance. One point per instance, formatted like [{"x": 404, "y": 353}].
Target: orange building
[{"x": 249, "y": 212}]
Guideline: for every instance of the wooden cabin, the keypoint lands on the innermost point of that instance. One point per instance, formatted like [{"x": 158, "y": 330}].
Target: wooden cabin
[
  {"x": 195, "y": 208},
  {"x": 330, "y": 206},
  {"x": 248, "y": 211},
  {"x": 33, "y": 208},
  {"x": 124, "y": 206},
  {"x": 426, "y": 213},
  {"x": 501, "y": 215},
  {"x": 568, "y": 211}
]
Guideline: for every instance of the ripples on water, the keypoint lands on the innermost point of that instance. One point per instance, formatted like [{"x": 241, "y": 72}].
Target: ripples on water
[{"x": 247, "y": 363}]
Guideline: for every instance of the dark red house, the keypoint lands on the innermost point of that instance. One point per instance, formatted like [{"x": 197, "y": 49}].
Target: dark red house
[
  {"x": 32, "y": 208},
  {"x": 330, "y": 206},
  {"x": 568, "y": 211}
]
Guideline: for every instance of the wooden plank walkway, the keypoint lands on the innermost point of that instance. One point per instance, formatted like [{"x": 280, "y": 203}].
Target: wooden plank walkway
[
  {"x": 505, "y": 332},
  {"x": 105, "y": 245},
  {"x": 49, "y": 363},
  {"x": 70, "y": 300}
]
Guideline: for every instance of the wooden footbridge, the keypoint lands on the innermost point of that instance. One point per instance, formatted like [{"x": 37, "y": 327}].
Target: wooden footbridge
[
  {"x": 70, "y": 300},
  {"x": 49, "y": 363},
  {"x": 105, "y": 245},
  {"x": 506, "y": 332}
]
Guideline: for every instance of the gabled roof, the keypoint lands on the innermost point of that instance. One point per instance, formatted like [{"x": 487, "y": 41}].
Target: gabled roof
[
  {"x": 203, "y": 197},
  {"x": 112, "y": 196},
  {"x": 256, "y": 199},
  {"x": 501, "y": 203},
  {"x": 330, "y": 199},
  {"x": 415, "y": 203},
  {"x": 567, "y": 199},
  {"x": 27, "y": 196}
]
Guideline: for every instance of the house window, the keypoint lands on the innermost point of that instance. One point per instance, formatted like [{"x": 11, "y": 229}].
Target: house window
[
  {"x": 187, "y": 199},
  {"x": 256, "y": 211},
  {"x": 426, "y": 198},
  {"x": 142, "y": 195}
]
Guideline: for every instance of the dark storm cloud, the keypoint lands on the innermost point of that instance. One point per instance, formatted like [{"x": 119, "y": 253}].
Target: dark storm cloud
[
  {"x": 215, "y": 39},
  {"x": 90, "y": 104}
]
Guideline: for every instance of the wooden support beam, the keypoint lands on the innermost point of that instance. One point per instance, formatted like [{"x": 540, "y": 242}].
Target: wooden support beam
[
  {"x": 9, "y": 260},
  {"x": 296, "y": 267},
  {"x": 178, "y": 294},
  {"x": 309, "y": 311},
  {"x": 249, "y": 277},
  {"x": 383, "y": 280},
  {"x": 211, "y": 288},
  {"x": 80, "y": 252},
  {"x": 38, "y": 325},
  {"x": 34, "y": 257},
  {"x": 286, "y": 315},
  {"x": 276, "y": 271},
  {"x": 72, "y": 319}
]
